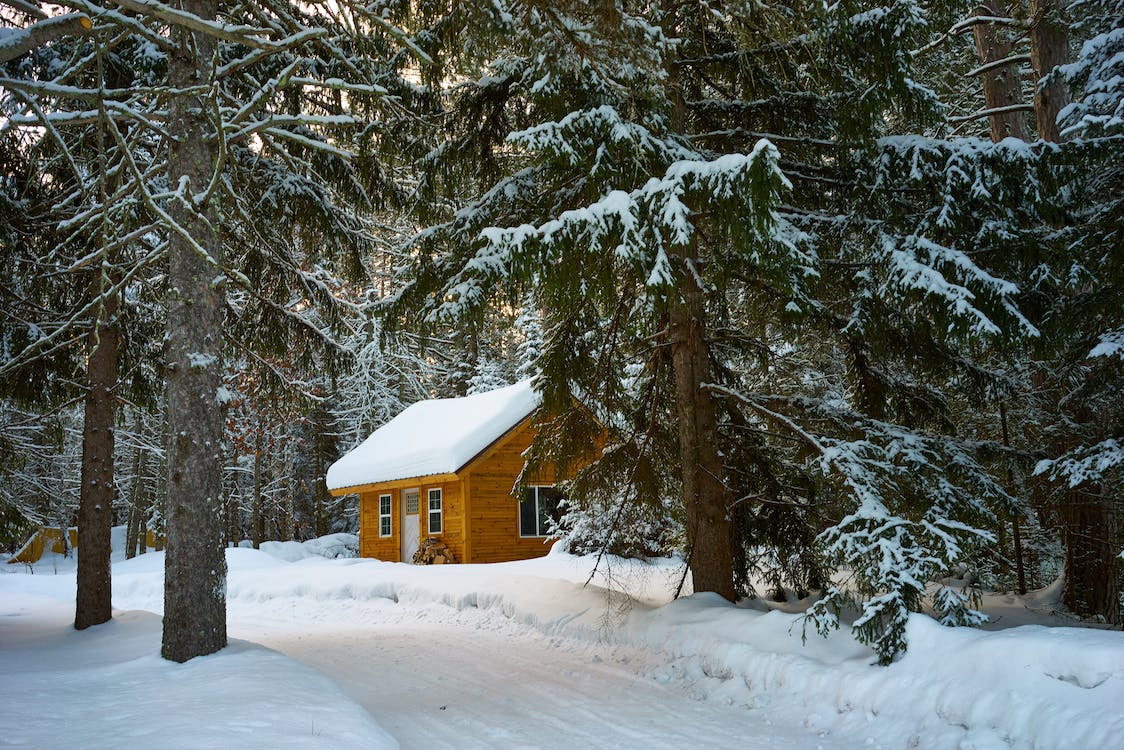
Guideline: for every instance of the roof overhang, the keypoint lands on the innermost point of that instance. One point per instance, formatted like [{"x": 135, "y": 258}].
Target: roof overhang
[{"x": 395, "y": 484}]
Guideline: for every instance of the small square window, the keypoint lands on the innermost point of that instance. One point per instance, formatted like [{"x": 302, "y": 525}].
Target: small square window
[{"x": 435, "y": 511}]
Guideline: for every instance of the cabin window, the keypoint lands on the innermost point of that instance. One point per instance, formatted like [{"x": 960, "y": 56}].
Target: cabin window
[
  {"x": 538, "y": 508},
  {"x": 385, "y": 525},
  {"x": 435, "y": 511}
]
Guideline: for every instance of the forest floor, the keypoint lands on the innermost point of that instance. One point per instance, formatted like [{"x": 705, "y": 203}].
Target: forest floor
[{"x": 350, "y": 653}]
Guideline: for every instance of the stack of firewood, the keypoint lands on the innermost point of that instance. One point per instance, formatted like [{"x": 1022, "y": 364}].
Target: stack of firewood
[{"x": 433, "y": 551}]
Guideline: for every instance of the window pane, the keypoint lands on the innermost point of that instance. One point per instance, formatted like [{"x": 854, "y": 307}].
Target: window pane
[
  {"x": 527, "y": 513},
  {"x": 549, "y": 498},
  {"x": 384, "y": 515},
  {"x": 412, "y": 503},
  {"x": 435, "y": 511}
]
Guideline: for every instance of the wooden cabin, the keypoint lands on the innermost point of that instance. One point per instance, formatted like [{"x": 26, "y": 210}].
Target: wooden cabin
[{"x": 445, "y": 469}]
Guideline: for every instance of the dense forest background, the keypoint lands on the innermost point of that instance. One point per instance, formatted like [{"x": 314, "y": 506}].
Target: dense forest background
[{"x": 843, "y": 280}]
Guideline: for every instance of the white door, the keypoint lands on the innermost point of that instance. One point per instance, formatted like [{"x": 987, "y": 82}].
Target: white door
[{"x": 411, "y": 525}]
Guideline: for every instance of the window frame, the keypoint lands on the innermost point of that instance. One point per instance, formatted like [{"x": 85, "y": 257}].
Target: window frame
[
  {"x": 439, "y": 510},
  {"x": 388, "y": 516},
  {"x": 519, "y": 519}
]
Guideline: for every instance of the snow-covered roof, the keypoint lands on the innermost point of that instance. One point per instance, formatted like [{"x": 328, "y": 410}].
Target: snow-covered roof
[{"x": 438, "y": 436}]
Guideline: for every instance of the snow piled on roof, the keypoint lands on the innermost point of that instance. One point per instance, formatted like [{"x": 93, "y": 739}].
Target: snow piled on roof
[{"x": 434, "y": 437}]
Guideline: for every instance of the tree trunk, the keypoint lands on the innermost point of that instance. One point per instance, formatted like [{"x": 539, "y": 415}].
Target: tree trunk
[
  {"x": 1049, "y": 48},
  {"x": 142, "y": 502},
  {"x": 136, "y": 495},
  {"x": 1092, "y": 586},
  {"x": 131, "y": 524},
  {"x": 94, "y": 603},
  {"x": 195, "y": 563},
  {"x": 257, "y": 518},
  {"x": 704, "y": 494},
  {"x": 1001, "y": 85},
  {"x": 233, "y": 520},
  {"x": 1020, "y": 570}
]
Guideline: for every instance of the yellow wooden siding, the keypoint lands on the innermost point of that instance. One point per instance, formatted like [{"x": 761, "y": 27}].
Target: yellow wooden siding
[
  {"x": 452, "y": 516},
  {"x": 388, "y": 548},
  {"x": 493, "y": 519}
]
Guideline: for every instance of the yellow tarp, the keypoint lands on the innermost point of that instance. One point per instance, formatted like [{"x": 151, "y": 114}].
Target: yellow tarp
[
  {"x": 50, "y": 538},
  {"x": 47, "y": 538}
]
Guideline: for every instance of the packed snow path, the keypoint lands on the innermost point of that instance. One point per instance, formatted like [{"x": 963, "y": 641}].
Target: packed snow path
[{"x": 485, "y": 685}]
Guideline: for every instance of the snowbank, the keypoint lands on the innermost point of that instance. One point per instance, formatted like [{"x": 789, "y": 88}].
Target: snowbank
[
  {"x": 1023, "y": 687},
  {"x": 107, "y": 687},
  {"x": 331, "y": 546}
]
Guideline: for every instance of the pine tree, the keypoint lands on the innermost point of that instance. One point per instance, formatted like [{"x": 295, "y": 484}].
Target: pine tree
[{"x": 806, "y": 312}]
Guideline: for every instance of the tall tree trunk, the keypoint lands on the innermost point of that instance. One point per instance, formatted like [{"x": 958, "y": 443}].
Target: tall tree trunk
[
  {"x": 195, "y": 567},
  {"x": 136, "y": 493},
  {"x": 143, "y": 502},
  {"x": 234, "y": 527},
  {"x": 94, "y": 604},
  {"x": 1001, "y": 85},
  {"x": 131, "y": 524},
  {"x": 705, "y": 497},
  {"x": 1020, "y": 570},
  {"x": 1089, "y": 517},
  {"x": 1049, "y": 48},
  {"x": 1092, "y": 584},
  {"x": 257, "y": 518}
]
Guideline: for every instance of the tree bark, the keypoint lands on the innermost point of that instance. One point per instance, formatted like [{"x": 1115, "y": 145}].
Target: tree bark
[
  {"x": 1092, "y": 586},
  {"x": 257, "y": 518},
  {"x": 131, "y": 523},
  {"x": 195, "y": 563},
  {"x": 1049, "y": 48},
  {"x": 1016, "y": 534},
  {"x": 143, "y": 503},
  {"x": 136, "y": 493},
  {"x": 94, "y": 602},
  {"x": 1001, "y": 85},
  {"x": 705, "y": 497},
  {"x": 1089, "y": 518}
]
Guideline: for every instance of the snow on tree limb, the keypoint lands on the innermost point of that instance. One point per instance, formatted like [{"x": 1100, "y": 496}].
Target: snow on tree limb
[{"x": 16, "y": 42}]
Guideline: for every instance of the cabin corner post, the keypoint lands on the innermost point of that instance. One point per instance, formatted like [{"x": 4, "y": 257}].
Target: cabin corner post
[{"x": 466, "y": 525}]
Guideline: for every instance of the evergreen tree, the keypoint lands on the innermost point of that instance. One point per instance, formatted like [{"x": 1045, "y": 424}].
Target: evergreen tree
[{"x": 804, "y": 312}]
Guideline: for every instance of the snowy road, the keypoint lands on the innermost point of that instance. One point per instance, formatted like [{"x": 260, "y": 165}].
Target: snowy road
[
  {"x": 521, "y": 655},
  {"x": 485, "y": 683}
]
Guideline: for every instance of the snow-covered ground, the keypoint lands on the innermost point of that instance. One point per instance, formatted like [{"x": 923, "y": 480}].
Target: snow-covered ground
[{"x": 521, "y": 655}]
